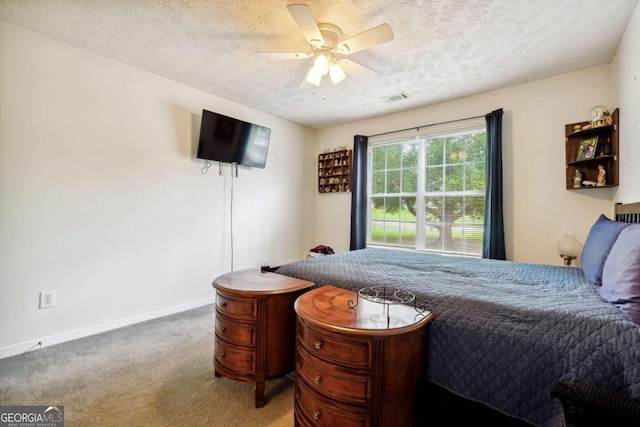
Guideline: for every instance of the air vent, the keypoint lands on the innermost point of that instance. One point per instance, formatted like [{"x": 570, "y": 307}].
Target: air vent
[{"x": 397, "y": 97}]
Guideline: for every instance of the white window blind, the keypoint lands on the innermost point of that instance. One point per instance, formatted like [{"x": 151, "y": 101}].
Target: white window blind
[{"x": 428, "y": 192}]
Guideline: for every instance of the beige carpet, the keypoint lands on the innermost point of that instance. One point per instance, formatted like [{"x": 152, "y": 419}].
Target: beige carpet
[{"x": 156, "y": 373}]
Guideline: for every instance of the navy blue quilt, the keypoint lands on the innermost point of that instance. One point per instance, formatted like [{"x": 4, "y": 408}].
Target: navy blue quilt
[{"x": 504, "y": 332}]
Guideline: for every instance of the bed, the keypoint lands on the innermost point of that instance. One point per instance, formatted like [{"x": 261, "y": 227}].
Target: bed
[{"x": 506, "y": 332}]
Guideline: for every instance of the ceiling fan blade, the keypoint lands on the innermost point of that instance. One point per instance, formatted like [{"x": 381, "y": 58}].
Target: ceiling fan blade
[
  {"x": 285, "y": 55},
  {"x": 374, "y": 36},
  {"x": 356, "y": 70},
  {"x": 301, "y": 13}
]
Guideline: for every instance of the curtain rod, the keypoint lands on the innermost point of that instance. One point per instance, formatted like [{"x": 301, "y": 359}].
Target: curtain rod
[{"x": 425, "y": 126}]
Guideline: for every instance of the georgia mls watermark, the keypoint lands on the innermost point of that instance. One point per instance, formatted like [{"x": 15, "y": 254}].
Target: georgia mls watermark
[{"x": 32, "y": 416}]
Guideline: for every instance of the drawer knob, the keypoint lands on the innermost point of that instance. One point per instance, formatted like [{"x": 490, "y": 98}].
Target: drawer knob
[
  {"x": 223, "y": 329},
  {"x": 318, "y": 345},
  {"x": 316, "y": 415},
  {"x": 317, "y": 379},
  {"x": 224, "y": 304},
  {"x": 221, "y": 355}
]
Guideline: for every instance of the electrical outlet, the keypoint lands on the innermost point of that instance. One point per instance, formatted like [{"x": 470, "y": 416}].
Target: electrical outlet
[{"x": 47, "y": 299}]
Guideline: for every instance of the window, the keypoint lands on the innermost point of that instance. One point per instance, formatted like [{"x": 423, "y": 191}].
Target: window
[{"x": 428, "y": 193}]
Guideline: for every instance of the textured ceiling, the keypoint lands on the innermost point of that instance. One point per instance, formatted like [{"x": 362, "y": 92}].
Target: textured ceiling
[{"x": 443, "y": 49}]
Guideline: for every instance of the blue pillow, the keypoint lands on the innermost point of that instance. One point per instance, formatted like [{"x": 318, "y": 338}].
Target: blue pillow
[
  {"x": 602, "y": 236},
  {"x": 621, "y": 273}
]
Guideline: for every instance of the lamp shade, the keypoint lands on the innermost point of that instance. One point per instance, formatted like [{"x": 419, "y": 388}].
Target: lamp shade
[
  {"x": 336, "y": 73},
  {"x": 313, "y": 77},
  {"x": 569, "y": 246},
  {"x": 321, "y": 63}
]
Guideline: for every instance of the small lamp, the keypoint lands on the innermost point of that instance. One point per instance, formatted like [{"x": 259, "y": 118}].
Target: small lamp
[{"x": 568, "y": 247}]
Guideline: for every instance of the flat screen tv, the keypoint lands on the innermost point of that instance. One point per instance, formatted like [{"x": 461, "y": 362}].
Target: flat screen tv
[{"x": 225, "y": 139}]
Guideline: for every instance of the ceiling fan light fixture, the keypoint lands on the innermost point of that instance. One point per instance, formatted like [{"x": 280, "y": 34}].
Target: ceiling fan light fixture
[
  {"x": 313, "y": 77},
  {"x": 321, "y": 63},
  {"x": 325, "y": 40},
  {"x": 336, "y": 73}
]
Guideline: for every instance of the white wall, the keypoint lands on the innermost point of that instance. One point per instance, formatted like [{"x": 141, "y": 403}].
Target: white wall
[
  {"x": 538, "y": 208},
  {"x": 102, "y": 199},
  {"x": 626, "y": 92}
]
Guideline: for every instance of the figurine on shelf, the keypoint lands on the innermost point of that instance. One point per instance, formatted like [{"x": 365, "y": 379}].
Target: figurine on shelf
[
  {"x": 598, "y": 114},
  {"x": 605, "y": 148},
  {"x": 602, "y": 177},
  {"x": 577, "y": 179}
]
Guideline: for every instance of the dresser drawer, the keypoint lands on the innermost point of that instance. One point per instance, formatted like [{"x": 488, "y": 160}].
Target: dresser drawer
[
  {"x": 299, "y": 419},
  {"x": 233, "y": 357},
  {"x": 336, "y": 350},
  {"x": 332, "y": 381},
  {"x": 235, "y": 333},
  {"x": 238, "y": 308},
  {"x": 319, "y": 413}
]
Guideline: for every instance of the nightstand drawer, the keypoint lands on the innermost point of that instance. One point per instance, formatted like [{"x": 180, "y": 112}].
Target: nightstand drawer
[
  {"x": 233, "y": 357},
  {"x": 332, "y": 381},
  {"x": 238, "y": 308},
  {"x": 319, "y": 413},
  {"x": 300, "y": 419},
  {"x": 235, "y": 333},
  {"x": 346, "y": 352}
]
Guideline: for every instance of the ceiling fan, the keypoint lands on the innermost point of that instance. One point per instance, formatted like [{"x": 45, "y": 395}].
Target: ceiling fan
[{"x": 326, "y": 47}]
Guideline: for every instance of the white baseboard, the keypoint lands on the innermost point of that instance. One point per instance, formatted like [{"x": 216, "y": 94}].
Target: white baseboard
[{"x": 36, "y": 343}]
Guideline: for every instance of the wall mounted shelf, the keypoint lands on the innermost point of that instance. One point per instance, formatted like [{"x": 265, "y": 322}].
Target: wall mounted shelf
[
  {"x": 603, "y": 141},
  {"x": 334, "y": 171}
]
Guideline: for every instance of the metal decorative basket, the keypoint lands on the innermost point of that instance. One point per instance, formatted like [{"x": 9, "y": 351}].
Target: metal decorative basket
[{"x": 387, "y": 296}]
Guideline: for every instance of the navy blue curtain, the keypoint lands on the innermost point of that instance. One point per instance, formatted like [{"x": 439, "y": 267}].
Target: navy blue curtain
[
  {"x": 359, "y": 193},
  {"x": 493, "y": 243}
]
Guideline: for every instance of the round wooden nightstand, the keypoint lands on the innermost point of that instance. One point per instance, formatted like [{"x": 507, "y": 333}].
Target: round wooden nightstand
[
  {"x": 255, "y": 326},
  {"x": 357, "y": 366}
]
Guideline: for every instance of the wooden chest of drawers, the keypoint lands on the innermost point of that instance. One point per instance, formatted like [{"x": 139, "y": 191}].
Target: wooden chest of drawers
[
  {"x": 255, "y": 326},
  {"x": 355, "y": 366}
]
